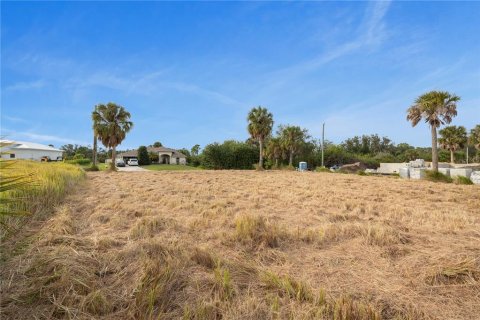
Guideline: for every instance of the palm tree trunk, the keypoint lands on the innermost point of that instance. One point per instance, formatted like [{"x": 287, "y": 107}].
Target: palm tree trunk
[
  {"x": 114, "y": 155},
  {"x": 94, "y": 155},
  {"x": 434, "y": 149},
  {"x": 452, "y": 157},
  {"x": 290, "y": 160},
  {"x": 260, "y": 161}
]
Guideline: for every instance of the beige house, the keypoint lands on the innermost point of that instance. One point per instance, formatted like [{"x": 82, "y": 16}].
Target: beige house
[{"x": 165, "y": 155}]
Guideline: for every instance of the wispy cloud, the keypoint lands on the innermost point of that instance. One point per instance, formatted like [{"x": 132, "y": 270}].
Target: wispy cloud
[
  {"x": 35, "y": 137},
  {"x": 371, "y": 33},
  {"x": 24, "y": 86},
  {"x": 13, "y": 119}
]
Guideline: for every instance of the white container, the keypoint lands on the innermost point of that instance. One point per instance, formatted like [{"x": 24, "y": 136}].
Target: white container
[
  {"x": 302, "y": 166},
  {"x": 460, "y": 172},
  {"x": 404, "y": 173},
  {"x": 417, "y": 173},
  {"x": 445, "y": 171},
  {"x": 475, "y": 177}
]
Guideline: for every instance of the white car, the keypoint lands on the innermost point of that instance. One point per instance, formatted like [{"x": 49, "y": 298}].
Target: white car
[{"x": 132, "y": 162}]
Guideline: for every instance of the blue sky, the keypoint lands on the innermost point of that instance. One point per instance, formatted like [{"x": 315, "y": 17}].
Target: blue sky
[{"x": 189, "y": 72}]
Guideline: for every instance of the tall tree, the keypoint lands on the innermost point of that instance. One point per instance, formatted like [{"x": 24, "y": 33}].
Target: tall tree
[
  {"x": 195, "y": 149},
  {"x": 142, "y": 155},
  {"x": 453, "y": 138},
  {"x": 94, "y": 153},
  {"x": 260, "y": 123},
  {"x": 474, "y": 137},
  {"x": 435, "y": 108},
  {"x": 274, "y": 150},
  {"x": 112, "y": 123},
  {"x": 292, "y": 138},
  {"x": 157, "y": 144}
]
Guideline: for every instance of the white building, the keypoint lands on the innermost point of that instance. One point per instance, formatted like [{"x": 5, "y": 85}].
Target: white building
[{"x": 28, "y": 150}]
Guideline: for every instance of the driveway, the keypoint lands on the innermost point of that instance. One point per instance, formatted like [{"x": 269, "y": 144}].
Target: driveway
[{"x": 131, "y": 168}]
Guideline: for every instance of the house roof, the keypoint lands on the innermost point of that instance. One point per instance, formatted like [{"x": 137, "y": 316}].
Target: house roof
[
  {"x": 23, "y": 145},
  {"x": 134, "y": 153}
]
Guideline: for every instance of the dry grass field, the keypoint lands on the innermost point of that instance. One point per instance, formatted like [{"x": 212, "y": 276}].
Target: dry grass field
[{"x": 250, "y": 245}]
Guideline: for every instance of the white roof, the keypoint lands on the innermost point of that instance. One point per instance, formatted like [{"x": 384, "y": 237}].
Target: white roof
[{"x": 23, "y": 145}]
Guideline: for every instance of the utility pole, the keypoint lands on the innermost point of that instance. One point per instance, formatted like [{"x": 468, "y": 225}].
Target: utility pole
[{"x": 323, "y": 141}]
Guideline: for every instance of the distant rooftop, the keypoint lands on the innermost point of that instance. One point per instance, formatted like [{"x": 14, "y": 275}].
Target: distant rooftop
[{"x": 24, "y": 145}]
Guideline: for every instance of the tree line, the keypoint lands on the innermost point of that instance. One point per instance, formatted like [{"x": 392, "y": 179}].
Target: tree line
[{"x": 290, "y": 144}]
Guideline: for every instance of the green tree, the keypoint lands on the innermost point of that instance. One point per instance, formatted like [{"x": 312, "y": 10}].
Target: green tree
[
  {"x": 94, "y": 153},
  {"x": 157, "y": 144},
  {"x": 153, "y": 157},
  {"x": 195, "y": 149},
  {"x": 274, "y": 150},
  {"x": 292, "y": 138},
  {"x": 453, "y": 138},
  {"x": 142, "y": 155},
  {"x": 260, "y": 123},
  {"x": 474, "y": 138},
  {"x": 435, "y": 108},
  {"x": 112, "y": 123}
]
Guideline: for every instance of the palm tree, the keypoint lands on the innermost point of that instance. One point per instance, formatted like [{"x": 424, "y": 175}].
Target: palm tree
[
  {"x": 436, "y": 108},
  {"x": 474, "y": 137},
  {"x": 274, "y": 150},
  {"x": 453, "y": 138},
  {"x": 292, "y": 138},
  {"x": 112, "y": 123},
  {"x": 94, "y": 151},
  {"x": 260, "y": 123}
]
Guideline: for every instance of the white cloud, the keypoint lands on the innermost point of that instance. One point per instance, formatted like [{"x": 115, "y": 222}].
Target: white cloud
[{"x": 24, "y": 86}]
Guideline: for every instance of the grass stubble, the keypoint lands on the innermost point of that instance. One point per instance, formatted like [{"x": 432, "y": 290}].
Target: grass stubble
[{"x": 251, "y": 245}]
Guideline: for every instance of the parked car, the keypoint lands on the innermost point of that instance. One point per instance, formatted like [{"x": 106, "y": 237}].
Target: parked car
[
  {"x": 120, "y": 163},
  {"x": 132, "y": 162}
]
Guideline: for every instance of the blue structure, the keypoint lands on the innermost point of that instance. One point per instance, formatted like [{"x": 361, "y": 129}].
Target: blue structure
[{"x": 302, "y": 166}]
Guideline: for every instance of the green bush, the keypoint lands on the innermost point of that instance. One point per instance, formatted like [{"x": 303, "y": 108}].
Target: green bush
[
  {"x": 361, "y": 173},
  {"x": 78, "y": 156},
  {"x": 436, "y": 176},
  {"x": 229, "y": 155},
  {"x": 322, "y": 169},
  {"x": 463, "y": 180},
  {"x": 82, "y": 162},
  {"x": 143, "y": 157},
  {"x": 92, "y": 168}
]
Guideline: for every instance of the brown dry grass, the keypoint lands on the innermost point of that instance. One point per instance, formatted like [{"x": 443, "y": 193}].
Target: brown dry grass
[{"x": 251, "y": 245}]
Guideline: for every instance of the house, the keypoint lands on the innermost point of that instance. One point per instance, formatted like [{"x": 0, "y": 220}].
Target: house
[
  {"x": 165, "y": 155},
  {"x": 28, "y": 150}
]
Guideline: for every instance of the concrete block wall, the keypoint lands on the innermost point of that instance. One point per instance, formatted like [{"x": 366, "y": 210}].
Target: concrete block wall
[{"x": 460, "y": 172}]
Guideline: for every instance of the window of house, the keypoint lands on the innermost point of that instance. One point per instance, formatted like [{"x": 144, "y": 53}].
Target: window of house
[{"x": 12, "y": 155}]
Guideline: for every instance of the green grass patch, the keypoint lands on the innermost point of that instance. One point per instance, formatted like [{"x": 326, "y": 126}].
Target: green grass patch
[
  {"x": 170, "y": 167},
  {"x": 436, "y": 176},
  {"x": 322, "y": 169},
  {"x": 463, "y": 180}
]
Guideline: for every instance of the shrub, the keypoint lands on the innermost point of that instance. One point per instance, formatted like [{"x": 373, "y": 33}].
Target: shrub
[
  {"x": 78, "y": 156},
  {"x": 322, "y": 169},
  {"x": 81, "y": 162},
  {"x": 92, "y": 168},
  {"x": 463, "y": 180},
  {"x": 142, "y": 154},
  {"x": 436, "y": 176},
  {"x": 229, "y": 155}
]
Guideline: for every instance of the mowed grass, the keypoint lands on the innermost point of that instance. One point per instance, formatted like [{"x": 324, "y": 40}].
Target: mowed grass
[
  {"x": 251, "y": 245},
  {"x": 170, "y": 167}
]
